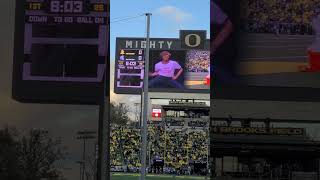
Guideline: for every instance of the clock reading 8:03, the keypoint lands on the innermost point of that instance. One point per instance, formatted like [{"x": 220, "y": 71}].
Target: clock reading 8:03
[{"x": 67, "y": 6}]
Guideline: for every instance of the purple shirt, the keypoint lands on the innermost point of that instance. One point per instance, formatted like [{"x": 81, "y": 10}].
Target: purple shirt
[{"x": 168, "y": 69}]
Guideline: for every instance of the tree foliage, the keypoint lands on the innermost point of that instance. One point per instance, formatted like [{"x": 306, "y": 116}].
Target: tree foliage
[
  {"x": 9, "y": 155},
  {"x": 119, "y": 114},
  {"x": 29, "y": 157}
]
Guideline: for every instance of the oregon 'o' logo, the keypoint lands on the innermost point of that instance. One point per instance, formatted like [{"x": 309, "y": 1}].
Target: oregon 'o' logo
[
  {"x": 196, "y": 43},
  {"x": 192, "y": 39}
]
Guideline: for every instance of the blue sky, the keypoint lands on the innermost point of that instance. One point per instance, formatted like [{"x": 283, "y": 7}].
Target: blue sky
[{"x": 169, "y": 16}]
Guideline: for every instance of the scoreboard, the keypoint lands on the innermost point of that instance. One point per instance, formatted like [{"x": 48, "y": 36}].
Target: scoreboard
[
  {"x": 190, "y": 52},
  {"x": 130, "y": 68},
  {"x": 61, "y": 47},
  {"x": 64, "y": 41}
]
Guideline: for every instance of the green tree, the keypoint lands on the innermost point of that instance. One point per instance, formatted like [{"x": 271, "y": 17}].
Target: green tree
[
  {"x": 38, "y": 153},
  {"x": 9, "y": 160},
  {"x": 119, "y": 114}
]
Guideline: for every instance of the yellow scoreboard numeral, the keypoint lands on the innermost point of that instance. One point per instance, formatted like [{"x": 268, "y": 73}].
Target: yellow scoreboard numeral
[{"x": 99, "y": 7}]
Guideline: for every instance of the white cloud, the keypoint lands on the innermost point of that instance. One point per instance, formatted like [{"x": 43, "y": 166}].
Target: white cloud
[{"x": 173, "y": 13}]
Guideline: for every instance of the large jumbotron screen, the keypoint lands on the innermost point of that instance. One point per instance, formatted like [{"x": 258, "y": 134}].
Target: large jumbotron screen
[
  {"x": 269, "y": 55},
  {"x": 129, "y": 66}
]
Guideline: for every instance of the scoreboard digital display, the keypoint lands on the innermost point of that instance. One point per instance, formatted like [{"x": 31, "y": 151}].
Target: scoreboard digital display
[
  {"x": 130, "y": 68},
  {"x": 66, "y": 6},
  {"x": 61, "y": 47},
  {"x": 186, "y": 71},
  {"x": 59, "y": 6}
]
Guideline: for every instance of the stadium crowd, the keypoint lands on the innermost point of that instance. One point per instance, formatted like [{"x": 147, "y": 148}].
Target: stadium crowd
[
  {"x": 279, "y": 16},
  {"x": 198, "y": 61},
  {"x": 179, "y": 148},
  {"x": 124, "y": 148}
]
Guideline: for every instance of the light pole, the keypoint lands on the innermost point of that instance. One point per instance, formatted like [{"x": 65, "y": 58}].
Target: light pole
[
  {"x": 84, "y": 135},
  {"x": 145, "y": 102},
  {"x": 80, "y": 167}
]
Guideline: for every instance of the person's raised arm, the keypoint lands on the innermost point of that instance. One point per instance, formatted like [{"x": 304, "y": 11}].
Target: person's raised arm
[
  {"x": 156, "y": 73},
  {"x": 222, "y": 35},
  {"x": 178, "y": 74}
]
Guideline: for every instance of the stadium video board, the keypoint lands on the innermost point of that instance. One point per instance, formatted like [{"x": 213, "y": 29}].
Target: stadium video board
[
  {"x": 263, "y": 59},
  {"x": 61, "y": 47},
  {"x": 185, "y": 72}
]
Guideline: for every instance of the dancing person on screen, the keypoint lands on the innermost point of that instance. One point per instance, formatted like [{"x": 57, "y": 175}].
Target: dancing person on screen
[
  {"x": 222, "y": 46},
  {"x": 164, "y": 73}
]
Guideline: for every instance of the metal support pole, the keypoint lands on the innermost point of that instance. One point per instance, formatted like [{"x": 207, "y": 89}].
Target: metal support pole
[
  {"x": 103, "y": 161},
  {"x": 208, "y": 150},
  {"x": 84, "y": 135},
  {"x": 102, "y": 138},
  {"x": 84, "y": 158},
  {"x": 141, "y": 107},
  {"x": 80, "y": 168},
  {"x": 145, "y": 103}
]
